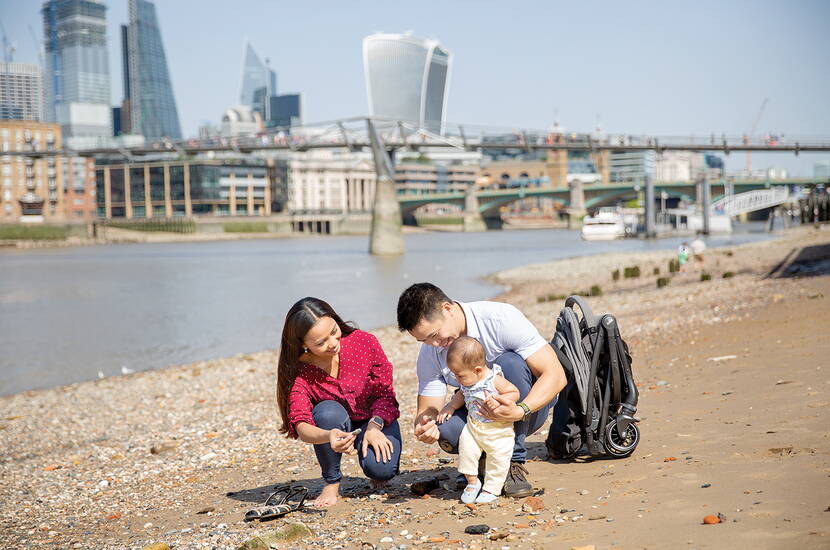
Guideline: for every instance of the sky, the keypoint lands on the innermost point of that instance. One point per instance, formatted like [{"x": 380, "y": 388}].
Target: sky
[{"x": 660, "y": 68}]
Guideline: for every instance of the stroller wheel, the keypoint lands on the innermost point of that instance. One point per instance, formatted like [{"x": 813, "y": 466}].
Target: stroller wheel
[{"x": 621, "y": 445}]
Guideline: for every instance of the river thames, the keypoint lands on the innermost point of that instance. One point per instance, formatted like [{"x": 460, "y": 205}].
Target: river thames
[{"x": 68, "y": 314}]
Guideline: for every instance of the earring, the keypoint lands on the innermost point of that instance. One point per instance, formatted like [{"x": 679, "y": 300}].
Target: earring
[{"x": 305, "y": 349}]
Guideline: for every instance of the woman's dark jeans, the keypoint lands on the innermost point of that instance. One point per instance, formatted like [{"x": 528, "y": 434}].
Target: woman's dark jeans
[{"x": 330, "y": 415}]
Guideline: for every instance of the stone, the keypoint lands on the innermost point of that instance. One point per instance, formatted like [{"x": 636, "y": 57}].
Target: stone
[
  {"x": 586, "y": 547},
  {"x": 290, "y": 533},
  {"x": 533, "y": 504},
  {"x": 711, "y": 520},
  {"x": 476, "y": 529},
  {"x": 163, "y": 446},
  {"x": 157, "y": 546},
  {"x": 387, "y": 539}
]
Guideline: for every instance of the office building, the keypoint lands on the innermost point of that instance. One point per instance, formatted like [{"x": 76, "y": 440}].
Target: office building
[
  {"x": 407, "y": 78},
  {"x": 631, "y": 166},
  {"x": 21, "y": 92},
  {"x": 259, "y": 83},
  {"x": 148, "y": 91},
  {"x": 679, "y": 166},
  {"x": 32, "y": 189},
  {"x": 286, "y": 110},
  {"x": 821, "y": 169},
  {"x": 240, "y": 121},
  {"x": 76, "y": 73},
  {"x": 181, "y": 188}
]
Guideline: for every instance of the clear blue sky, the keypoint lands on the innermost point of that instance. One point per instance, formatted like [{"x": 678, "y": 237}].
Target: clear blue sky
[{"x": 641, "y": 67}]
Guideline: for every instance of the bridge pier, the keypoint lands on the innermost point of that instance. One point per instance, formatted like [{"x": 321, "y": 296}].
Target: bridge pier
[
  {"x": 473, "y": 220},
  {"x": 576, "y": 210},
  {"x": 385, "y": 238},
  {"x": 707, "y": 204},
  {"x": 651, "y": 230}
]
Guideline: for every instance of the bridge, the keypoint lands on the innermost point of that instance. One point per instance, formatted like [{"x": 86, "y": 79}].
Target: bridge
[
  {"x": 385, "y": 136},
  {"x": 490, "y": 201}
]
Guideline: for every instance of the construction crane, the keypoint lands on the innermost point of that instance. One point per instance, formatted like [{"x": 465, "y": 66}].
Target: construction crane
[
  {"x": 751, "y": 134},
  {"x": 8, "y": 47}
]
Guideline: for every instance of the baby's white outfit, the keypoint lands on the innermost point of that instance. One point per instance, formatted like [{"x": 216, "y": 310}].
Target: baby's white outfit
[{"x": 480, "y": 434}]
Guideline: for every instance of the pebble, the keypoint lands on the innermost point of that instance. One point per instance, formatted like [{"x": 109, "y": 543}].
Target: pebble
[
  {"x": 476, "y": 529},
  {"x": 583, "y": 492},
  {"x": 387, "y": 539}
]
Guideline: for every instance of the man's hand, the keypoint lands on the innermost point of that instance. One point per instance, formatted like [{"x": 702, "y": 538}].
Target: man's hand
[
  {"x": 500, "y": 409},
  {"x": 426, "y": 431},
  {"x": 341, "y": 442},
  {"x": 379, "y": 442},
  {"x": 445, "y": 414}
]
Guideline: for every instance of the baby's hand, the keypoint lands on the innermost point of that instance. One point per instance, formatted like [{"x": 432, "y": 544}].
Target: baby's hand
[{"x": 445, "y": 414}]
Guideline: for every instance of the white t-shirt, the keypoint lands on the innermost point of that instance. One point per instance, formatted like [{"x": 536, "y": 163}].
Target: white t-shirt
[
  {"x": 499, "y": 327},
  {"x": 698, "y": 246}
]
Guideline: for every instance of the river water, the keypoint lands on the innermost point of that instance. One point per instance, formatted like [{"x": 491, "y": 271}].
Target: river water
[{"x": 68, "y": 314}]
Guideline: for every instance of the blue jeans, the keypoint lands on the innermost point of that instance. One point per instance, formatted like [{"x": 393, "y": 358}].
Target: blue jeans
[
  {"x": 329, "y": 415},
  {"x": 515, "y": 370}
]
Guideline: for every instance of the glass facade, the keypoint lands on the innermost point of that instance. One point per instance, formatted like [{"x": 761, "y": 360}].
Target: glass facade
[
  {"x": 76, "y": 72},
  {"x": 209, "y": 189},
  {"x": 286, "y": 110},
  {"x": 407, "y": 78},
  {"x": 258, "y": 83},
  {"x": 153, "y": 111}
]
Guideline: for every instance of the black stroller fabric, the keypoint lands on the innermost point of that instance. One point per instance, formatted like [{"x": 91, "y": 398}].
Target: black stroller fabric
[{"x": 595, "y": 412}]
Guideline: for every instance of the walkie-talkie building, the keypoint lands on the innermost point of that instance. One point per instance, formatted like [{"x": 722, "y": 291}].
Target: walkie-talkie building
[
  {"x": 407, "y": 78},
  {"x": 152, "y": 106}
]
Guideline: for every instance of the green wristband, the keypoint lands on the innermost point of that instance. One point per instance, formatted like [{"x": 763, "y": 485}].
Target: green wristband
[{"x": 525, "y": 408}]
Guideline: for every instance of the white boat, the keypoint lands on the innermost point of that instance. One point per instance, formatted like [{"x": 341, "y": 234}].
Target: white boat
[
  {"x": 691, "y": 221},
  {"x": 608, "y": 224}
]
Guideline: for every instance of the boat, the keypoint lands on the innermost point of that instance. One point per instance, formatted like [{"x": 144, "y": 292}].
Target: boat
[
  {"x": 689, "y": 220},
  {"x": 608, "y": 224}
]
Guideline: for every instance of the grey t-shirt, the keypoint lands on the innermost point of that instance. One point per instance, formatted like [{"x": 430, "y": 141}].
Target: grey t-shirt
[{"x": 499, "y": 327}]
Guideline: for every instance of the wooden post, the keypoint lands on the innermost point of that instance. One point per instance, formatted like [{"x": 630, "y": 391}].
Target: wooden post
[
  {"x": 250, "y": 193},
  {"x": 168, "y": 203},
  {"x": 148, "y": 203},
  {"x": 128, "y": 200},
  {"x": 232, "y": 195},
  {"x": 188, "y": 205},
  {"x": 107, "y": 194}
]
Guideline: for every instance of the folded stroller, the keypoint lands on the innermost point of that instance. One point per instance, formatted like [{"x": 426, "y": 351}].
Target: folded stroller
[{"x": 595, "y": 412}]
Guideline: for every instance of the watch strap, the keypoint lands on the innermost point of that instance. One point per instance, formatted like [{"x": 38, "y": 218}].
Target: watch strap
[
  {"x": 525, "y": 408},
  {"x": 379, "y": 421}
]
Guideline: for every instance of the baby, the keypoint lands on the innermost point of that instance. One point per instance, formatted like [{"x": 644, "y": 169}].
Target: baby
[{"x": 465, "y": 359}]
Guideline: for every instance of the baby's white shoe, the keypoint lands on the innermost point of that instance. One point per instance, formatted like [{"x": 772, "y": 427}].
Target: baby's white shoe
[
  {"x": 470, "y": 493},
  {"x": 484, "y": 497}
]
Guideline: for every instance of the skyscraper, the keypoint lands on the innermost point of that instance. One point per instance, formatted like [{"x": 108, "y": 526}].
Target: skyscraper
[
  {"x": 21, "y": 92},
  {"x": 152, "y": 106},
  {"x": 407, "y": 78},
  {"x": 259, "y": 83},
  {"x": 76, "y": 74}
]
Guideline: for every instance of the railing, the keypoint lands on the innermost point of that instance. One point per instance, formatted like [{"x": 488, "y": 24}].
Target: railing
[{"x": 751, "y": 201}]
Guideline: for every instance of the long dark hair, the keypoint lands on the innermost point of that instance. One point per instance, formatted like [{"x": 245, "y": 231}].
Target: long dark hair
[{"x": 298, "y": 321}]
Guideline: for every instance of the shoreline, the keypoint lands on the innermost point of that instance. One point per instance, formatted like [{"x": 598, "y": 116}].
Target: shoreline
[{"x": 127, "y": 461}]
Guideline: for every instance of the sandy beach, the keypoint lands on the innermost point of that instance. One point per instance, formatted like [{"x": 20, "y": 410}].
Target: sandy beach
[{"x": 734, "y": 378}]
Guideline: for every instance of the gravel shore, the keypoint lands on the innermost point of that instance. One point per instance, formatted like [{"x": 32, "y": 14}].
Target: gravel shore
[{"x": 178, "y": 455}]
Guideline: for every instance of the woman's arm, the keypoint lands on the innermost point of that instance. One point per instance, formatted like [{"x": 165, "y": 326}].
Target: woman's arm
[{"x": 341, "y": 442}]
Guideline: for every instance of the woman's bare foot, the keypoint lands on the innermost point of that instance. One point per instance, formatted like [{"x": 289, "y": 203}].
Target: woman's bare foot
[{"x": 328, "y": 497}]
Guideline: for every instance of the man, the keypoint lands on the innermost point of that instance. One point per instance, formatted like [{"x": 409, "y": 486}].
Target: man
[{"x": 509, "y": 339}]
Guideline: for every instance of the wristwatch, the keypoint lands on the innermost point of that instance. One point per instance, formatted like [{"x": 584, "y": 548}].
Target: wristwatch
[
  {"x": 525, "y": 408},
  {"x": 378, "y": 420}
]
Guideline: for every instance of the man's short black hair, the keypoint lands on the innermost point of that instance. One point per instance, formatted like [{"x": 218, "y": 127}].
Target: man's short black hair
[{"x": 420, "y": 301}]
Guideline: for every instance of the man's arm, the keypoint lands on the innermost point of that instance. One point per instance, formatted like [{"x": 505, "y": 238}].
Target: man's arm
[
  {"x": 426, "y": 430},
  {"x": 550, "y": 380}
]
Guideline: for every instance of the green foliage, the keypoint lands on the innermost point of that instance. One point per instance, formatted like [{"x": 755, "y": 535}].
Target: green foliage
[
  {"x": 631, "y": 272},
  {"x": 440, "y": 220},
  {"x": 663, "y": 281},
  {"x": 616, "y": 275},
  {"x": 245, "y": 227},
  {"x": 550, "y": 298},
  {"x": 165, "y": 225},
  {"x": 656, "y": 271},
  {"x": 674, "y": 265},
  {"x": 596, "y": 290},
  {"x": 729, "y": 253},
  {"x": 728, "y": 274},
  {"x": 34, "y": 232},
  {"x": 705, "y": 276}
]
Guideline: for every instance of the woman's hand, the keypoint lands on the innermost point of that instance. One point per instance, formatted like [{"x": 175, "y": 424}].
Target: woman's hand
[
  {"x": 341, "y": 442},
  {"x": 379, "y": 442}
]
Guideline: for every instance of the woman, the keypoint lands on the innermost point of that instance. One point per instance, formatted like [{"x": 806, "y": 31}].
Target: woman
[{"x": 332, "y": 379}]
